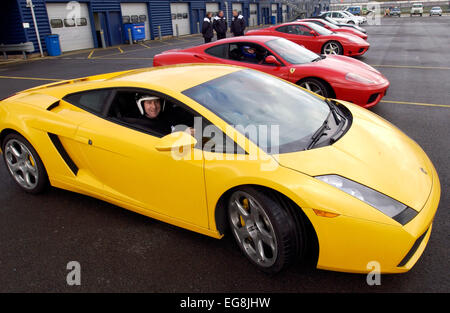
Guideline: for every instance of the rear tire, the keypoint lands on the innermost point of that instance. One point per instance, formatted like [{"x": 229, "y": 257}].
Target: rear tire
[
  {"x": 332, "y": 47},
  {"x": 264, "y": 230},
  {"x": 24, "y": 164}
]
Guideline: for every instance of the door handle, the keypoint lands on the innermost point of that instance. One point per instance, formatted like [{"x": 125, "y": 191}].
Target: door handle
[{"x": 83, "y": 140}]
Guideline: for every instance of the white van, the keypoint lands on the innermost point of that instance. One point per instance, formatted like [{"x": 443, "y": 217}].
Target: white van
[{"x": 416, "y": 9}]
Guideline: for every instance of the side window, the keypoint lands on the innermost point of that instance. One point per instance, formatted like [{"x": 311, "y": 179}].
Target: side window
[
  {"x": 335, "y": 14},
  {"x": 92, "y": 101},
  {"x": 282, "y": 29},
  {"x": 220, "y": 51},
  {"x": 171, "y": 116},
  {"x": 248, "y": 52},
  {"x": 303, "y": 30}
]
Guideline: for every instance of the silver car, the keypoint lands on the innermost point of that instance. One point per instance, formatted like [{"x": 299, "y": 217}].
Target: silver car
[{"x": 436, "y": 11}]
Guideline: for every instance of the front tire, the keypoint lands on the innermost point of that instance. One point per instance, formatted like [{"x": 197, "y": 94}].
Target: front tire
[
  {"x": 315, "y": 86},
  {"x": 24, "y": 164},
  {"x": 264, "y": 231}
]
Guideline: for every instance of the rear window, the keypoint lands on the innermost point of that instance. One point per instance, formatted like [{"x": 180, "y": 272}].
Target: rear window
[
  {"x": 219, "y": 51},
  {"x": 92, "y": 101}
]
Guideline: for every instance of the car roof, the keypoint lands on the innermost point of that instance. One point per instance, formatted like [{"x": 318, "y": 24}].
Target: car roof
[
  {"x": 176, "y": 77},
  {"x": 255, "y": 38},
  {"x": 296, "y": 23}
]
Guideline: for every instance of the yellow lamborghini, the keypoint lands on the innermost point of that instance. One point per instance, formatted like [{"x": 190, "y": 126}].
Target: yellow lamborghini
[{"x": 229, "y": 149}]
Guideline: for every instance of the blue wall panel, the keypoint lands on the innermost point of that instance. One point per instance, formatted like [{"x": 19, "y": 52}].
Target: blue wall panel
[
  {"x": 40, "y": 12},
  {"x": 11, "y": 30}
]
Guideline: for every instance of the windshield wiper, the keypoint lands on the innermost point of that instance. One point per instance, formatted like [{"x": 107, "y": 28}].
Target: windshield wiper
[
  {"x": 317, "y": 59},
  {"x": 334, "y": 111},
  {"x": 319, "y": 133}
]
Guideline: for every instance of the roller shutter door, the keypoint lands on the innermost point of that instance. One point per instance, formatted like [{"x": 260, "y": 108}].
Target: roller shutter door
[
  {"x": 253, "y": 15},
  {"x": 180, "y": 17},
  {"x": 136, "y": 12},
  {"x": 284, "y": 12},
  {"x": 274, "y": 12},
  {"x": 213, "y": 8},
  {"x": 237, "y": 7},
  {"x": 74, "y": 30}
]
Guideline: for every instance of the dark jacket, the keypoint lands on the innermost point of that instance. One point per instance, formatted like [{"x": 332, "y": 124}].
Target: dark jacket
[
  {"x": 207, "y": 28},
  {"x": 220, "y": 25},
  {"x": 160, "y": 125},
  {"x": 238, "y": 25}
]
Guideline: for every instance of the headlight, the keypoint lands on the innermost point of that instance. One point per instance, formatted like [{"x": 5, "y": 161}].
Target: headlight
[
  {"x": 392, "y": 208},
  {"x": 358, "y": 78}
]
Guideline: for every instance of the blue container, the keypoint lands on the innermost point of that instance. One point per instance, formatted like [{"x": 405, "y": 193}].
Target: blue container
[
  {"x": 53, "y": 46},
  {"x": 137, "y": 31},
  {"x": 273, "y": 20}
]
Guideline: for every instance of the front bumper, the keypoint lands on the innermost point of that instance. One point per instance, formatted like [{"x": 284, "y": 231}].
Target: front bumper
[
  {"x": 366, "y": 97},
  {"x": 356, "y": 49},
  {"x": 349, "y": 244}
]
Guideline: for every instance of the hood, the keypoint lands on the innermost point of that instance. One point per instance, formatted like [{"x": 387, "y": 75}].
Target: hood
[
  {"x": 351, "y": 37},
  {"x": 341, "y": 65},
  {"x": 374, "y": 153}
]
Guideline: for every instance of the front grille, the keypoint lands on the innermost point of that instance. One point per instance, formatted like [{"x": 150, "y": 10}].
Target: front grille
[
  {"x": 361, "y": 50},
  {"x": 373, "y": 97},
  {"x": 413, "y": 250}
]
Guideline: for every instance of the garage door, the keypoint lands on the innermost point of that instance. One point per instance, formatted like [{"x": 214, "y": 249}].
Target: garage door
[
  {"x": 237, "y": 7},
  {"x": 74, "y": 31},
  {"x": 132, "y": 12},
  {"x": 213, "y": 8},
  {"x": 180, "y": 17},
  {"x": 253, "y": 15},
  {"x": 284, "y": 12},
  {"x": 274, "y": 12}
]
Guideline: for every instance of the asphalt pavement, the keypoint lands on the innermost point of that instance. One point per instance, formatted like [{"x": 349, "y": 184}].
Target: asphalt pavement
[{"x": 121, "y": 251}]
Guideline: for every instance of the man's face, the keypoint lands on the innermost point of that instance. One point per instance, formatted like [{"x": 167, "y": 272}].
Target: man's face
[
  {"x": 152, "y": 108},
  {"x": 235, "y": 13},
  {"x": 221, "y": 14}
]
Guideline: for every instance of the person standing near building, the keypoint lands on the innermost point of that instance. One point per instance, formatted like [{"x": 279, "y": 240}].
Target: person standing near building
[
  {"x": 237, "y": 24},
  {"x": 220, "y": 25},
  {"x": 207, "y": 28}
]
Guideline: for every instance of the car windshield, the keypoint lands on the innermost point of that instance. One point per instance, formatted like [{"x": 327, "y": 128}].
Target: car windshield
[
  {"x": 417, "y": 5},
  {"x": 331, "y": 25},
  {"x": 319, "y": 29},
  {"x": 436, "y": 8},
  {"x": 329, "y": 19},
  {"x": 291, "y": 52},
  {"x": 249, "y": 99}
]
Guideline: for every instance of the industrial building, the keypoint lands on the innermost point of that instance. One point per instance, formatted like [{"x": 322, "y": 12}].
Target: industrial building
[{"x": 87, "y": 24}]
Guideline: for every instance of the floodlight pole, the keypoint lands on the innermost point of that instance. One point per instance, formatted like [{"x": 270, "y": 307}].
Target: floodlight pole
[{"x": 31, "y": 6}]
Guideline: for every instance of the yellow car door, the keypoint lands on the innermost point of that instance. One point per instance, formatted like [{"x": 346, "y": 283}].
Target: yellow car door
[{"x": 133, "y": 171}]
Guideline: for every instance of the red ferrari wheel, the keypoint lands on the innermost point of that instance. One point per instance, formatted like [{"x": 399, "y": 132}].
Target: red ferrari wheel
[{"x": 332, "y": 47}]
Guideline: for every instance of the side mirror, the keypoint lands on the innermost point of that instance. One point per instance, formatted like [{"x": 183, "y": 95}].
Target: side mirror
[
  {"x": 272, "y": 60},
  {"x": 313, "y": 33},
  {"x": 176, "y": 141}
]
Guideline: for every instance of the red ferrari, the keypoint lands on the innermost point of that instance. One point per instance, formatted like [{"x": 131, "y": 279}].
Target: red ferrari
[
  {"x": 334, "y": 28},
  {"x": 331, "y": 76},
  {"x": 316, "y": 38}
]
